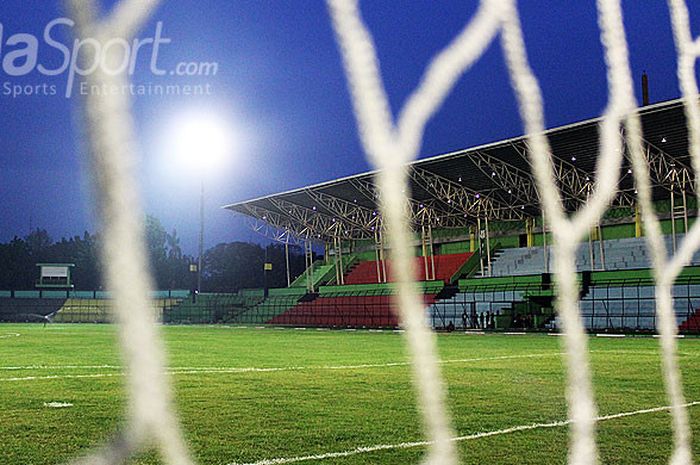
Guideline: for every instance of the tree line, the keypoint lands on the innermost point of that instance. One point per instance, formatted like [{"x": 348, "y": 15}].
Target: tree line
[{"x": 228, "y": 267}]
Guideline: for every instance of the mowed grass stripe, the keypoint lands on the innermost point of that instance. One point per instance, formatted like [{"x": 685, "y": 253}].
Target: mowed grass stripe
[
  {"x": 230, "y": 370},
  {"x": 251, "y": 416},
  {"x": 233, "y": 370},
  {"x": 469, "y": 437}
]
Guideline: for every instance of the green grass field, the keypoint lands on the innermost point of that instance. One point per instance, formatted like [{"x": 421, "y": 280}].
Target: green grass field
[{"x": 326, "y": 402}]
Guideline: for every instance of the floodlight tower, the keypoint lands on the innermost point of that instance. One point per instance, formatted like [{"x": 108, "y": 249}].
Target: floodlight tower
[
  {"x": 200, "y": 253},
  {"x": 203, "y": 141}
]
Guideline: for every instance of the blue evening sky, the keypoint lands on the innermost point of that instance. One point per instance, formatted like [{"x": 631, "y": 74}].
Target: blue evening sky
[{"x": 282, "y": 90}]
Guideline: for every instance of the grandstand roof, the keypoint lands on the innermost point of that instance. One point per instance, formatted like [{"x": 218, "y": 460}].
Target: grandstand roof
[{"x": 492, "y": 180}]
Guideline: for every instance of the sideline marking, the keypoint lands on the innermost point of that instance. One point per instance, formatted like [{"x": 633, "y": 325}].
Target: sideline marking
[
  {"x": 61, "y": 367},
  {"x": 222, "y": 370},
  {"x": 9, "y": 335},
  {"x": 469, "y": 437}
]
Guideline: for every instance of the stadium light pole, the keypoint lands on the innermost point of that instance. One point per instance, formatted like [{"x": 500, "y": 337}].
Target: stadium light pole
[
  {"x": 202, "y": 142},
  {"x": 201, "y": 235}
]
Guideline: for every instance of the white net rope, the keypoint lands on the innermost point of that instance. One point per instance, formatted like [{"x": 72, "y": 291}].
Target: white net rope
[
  {"x": 110, "y": 138},
  {"x": 389, "y": 146}
]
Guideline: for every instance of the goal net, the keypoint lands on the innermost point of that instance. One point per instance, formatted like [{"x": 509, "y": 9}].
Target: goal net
[{"x": 390, "y": 144}]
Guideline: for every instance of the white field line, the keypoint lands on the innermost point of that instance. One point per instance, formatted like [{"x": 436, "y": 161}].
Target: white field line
[
  {"x": 61, "y": 367},
  {"x": 49, "y": 377},
  {"x": 469, "y": 437},
  {"x": 328, "y": 367},
  {"x": 224, "y": 370},
  {"x": 9, "y": 335},
  {"x": 217, "y": 370}
]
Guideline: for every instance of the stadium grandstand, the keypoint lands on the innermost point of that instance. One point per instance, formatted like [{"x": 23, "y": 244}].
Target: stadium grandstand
[
  {"x": 481, "y": 241},
  {"x": 482, "y": 246}
]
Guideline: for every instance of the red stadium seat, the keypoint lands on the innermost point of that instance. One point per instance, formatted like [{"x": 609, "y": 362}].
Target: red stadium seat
[
  {"x": 345, "y": 311},
  {"x": 445, "y": 267}
]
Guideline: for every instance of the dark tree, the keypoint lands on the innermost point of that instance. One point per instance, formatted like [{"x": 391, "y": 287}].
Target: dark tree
[
  {"x": 239, "y": 265},
  {"x": 227, "y": 267},
  {"x": 18, "y": 270}
]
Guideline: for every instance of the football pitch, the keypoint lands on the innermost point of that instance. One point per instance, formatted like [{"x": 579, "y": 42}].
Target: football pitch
[{"x": 250, "y": 395}]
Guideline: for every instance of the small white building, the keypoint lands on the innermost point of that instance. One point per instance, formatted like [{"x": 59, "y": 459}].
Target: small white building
[{"x": 55, "y": 276}]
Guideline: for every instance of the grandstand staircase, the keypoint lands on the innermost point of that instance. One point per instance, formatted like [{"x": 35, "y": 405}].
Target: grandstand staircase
[
  {"x": 321, "y": 273},
  {"x": 233, "y": 314},
  {"x": 351, "y": 268},
  {"x": 361, "y": 301},
  {"x": 496, "y": 252},
  {"x": 309, "y": 297},
  {"x": 208, "y": 308},
  {"x": 447, "y": 292}
]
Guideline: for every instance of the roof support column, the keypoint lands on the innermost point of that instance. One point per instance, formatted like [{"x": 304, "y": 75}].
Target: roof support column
[
  {"x": 637, "y": 221},
  {"x": 428, "y": 252},
  {"x": 286, "y": 262},
  {"x": 530, "y": 232},
  {"x": 544, "y": 242},
  {"x": 678, "y": 210},
  {"x": 376, "y": 256},
  {"x": 591, "y": 255},
  {"x": 424, "y": 248},
  {"x": 673, "y": 221},
  {"x": 382, "y": 256},
  {"x": 488, "y": 245},
  {"x": 379, "y": 254},
  {"x": 601, "y": 245},
  {"x": 432, "y": 251},
  {"x": 309, "y": 261},
  {"x": 338, "y": 258},
  {"x": 342, "y": 266},
  {"x": 685, "y": 211},
  {"x": 481, "y": 245},
  {"x": 335, "y": 260}
]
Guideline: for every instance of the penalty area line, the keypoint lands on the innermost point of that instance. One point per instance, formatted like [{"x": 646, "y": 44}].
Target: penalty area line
[{"x": 469, "y": 437}]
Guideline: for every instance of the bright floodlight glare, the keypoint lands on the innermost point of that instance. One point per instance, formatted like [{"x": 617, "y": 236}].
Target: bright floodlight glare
[{"x": 202, "y": 141}]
